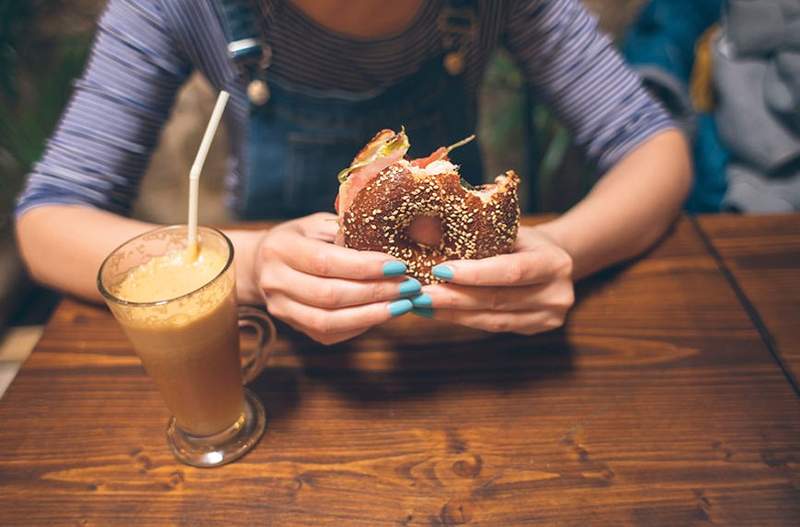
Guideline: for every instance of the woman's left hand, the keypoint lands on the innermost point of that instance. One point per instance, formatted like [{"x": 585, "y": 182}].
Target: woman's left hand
[{"x": 528, "y": 291}]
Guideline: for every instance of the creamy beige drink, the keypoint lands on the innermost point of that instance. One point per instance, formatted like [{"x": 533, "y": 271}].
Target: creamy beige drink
[
  {"x": 173, "y": 291},
  {"x": 189, "y": 345},
  {"x": 179, "y": 311}
]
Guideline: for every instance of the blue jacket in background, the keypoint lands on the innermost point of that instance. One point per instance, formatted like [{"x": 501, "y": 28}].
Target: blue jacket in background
[
  {"x": 661, "y": 45},
  {"x": 747, "y": 153}
]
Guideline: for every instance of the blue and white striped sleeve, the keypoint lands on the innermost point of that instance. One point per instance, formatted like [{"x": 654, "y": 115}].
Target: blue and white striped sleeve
[
  {"x": 104, "y": 139},
  {"x": 576, "y": 69}
]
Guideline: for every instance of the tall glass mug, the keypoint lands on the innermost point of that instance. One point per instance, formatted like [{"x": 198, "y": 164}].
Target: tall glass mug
[{"x": 189, "y": 343}]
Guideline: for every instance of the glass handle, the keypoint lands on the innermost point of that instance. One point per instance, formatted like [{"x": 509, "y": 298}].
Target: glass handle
[{"x": 254, "y": 360}]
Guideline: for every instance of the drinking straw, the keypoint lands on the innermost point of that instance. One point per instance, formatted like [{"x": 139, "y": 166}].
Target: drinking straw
[{"x": 197, "y": 167}]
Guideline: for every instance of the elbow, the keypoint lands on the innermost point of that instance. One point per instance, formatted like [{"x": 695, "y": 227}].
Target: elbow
[
  {"x": 684, "y": 171},
  {"x": 675, "y": 177},
  {"x": 684, "y": 178},
  {"x": 35, "y": 230},
  {"x": 673, "y": 164},
  {"x": 27, "y": 247},
  {"x": 677, "y": 188}
]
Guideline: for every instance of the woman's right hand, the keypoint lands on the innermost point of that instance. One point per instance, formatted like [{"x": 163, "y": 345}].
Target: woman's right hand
[{"x": 329, "y": 292}]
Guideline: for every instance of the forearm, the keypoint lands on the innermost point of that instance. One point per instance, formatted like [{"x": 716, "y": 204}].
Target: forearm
[
  {"x": 63, "y": 247},
  {"x": 629, "y": 208}
]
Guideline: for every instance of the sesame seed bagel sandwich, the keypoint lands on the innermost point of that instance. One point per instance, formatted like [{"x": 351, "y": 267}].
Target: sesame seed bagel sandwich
[{"x": 420, "y": 210}]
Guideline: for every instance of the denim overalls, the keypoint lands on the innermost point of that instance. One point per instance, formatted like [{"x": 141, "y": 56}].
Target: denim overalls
[{"x": 301, "y": 138}]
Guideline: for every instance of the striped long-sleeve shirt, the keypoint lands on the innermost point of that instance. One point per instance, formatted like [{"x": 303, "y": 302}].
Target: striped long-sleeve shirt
[{"x": 145, "y": 49}]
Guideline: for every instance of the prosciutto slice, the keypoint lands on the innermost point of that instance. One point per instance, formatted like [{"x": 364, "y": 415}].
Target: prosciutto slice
[{"x": 385, "y": 149}]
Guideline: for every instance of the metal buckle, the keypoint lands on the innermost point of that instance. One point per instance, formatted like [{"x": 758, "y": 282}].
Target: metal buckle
[
  {"x": 460, "y": 21},
  {"x": 258, "y": 92},
  {"x": 457, "y": 26},
  {"x": 255, "y": 67},
  {"x": 250, "y": 52}
]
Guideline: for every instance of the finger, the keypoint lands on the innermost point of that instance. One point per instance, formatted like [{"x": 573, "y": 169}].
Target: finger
[
  {"x": 526, "y": 323},
  {"x": 527, "y": 267},
  {"x": 336, "y": 338},
  {"x": 335, "y": 292},
  {"x": 321, "y": 226},
  {"x": 323, "y": 321},
  {"x": 557, "y": 294},
  {"x": 327, "y": 340},
  {"x": 320, "y": 258}
]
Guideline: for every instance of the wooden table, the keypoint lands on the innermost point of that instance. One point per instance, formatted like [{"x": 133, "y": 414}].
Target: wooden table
[
  {"x": 762, "y": 253},
  {"x": 660, "y": 403}
]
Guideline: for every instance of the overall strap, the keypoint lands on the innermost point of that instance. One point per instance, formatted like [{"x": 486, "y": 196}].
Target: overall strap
[
  {"x": 458, "y": 25},
  {"x": 246, "y": 46}
]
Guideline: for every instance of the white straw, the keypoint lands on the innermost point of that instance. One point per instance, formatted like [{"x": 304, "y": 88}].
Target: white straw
[{"x": 197, "y": 167}]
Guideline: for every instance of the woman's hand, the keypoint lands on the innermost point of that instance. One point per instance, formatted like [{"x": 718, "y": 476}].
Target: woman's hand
[
  {"x": 527, "y": 291},
  {"x": 331, "y": 293}
]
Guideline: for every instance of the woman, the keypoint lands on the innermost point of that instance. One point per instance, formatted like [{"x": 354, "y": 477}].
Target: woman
[{"x": 339, "y": 71}]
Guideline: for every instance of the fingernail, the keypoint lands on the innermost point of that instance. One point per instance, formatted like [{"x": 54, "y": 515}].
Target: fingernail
[
  {"x": 423, "y": 312},
  {"x": 394, "y": 268},
  {"x": 410, "y": 287},
  {"x": 400, "y": 307},
  {"x": 424, "y": 300},
  {"x": 443, "y": 272}
]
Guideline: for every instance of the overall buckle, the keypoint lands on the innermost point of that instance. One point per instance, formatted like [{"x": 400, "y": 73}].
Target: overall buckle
[{"x": 457, "y": 26}]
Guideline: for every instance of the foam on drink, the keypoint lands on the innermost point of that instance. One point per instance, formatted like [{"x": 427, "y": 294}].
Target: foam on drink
[{"x": 170, "y": 276}]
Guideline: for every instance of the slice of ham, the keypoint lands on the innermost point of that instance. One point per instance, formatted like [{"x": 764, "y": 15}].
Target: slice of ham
[
  {"x": 360, "y": 177},
  {"x": 439, "y": 154}
]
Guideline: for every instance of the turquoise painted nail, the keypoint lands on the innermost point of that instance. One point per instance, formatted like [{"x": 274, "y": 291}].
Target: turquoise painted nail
[
  {"x": 424, "y": 301},
  {"x": 400, "y": 307},
  {"x": 394, "y": 268},
  {"x": 410, "y": 287},
  {"x": 423, "y": 312},
  {"x": 443, "y": 272}
]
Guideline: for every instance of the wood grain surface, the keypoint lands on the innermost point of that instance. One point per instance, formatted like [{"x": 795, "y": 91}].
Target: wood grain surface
[
  {"x": 763, "y": 255},
  {"x": 658, "y": 404}
]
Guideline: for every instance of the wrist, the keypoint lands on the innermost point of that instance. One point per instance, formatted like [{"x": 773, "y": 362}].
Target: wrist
[
  {"x": 553, "y": 231},
  {"x": 247, "y": 245}
]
